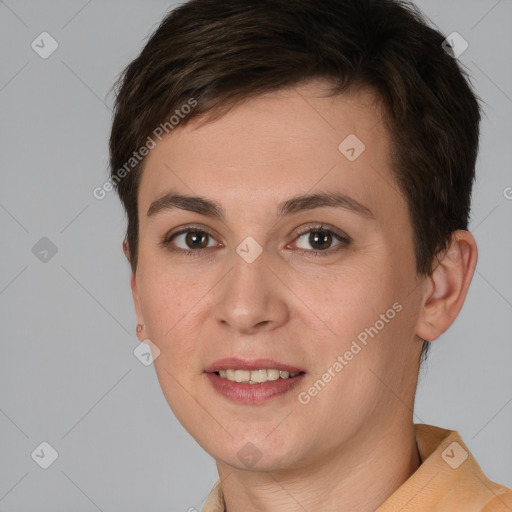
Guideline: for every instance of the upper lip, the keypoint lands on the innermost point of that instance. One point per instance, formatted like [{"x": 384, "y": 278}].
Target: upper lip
[{"x": 236, "y": 363}]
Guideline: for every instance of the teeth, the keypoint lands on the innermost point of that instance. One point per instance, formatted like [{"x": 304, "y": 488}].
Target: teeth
[
  {"x": 258, "y": 376},
  {"x": 242, "y": 375},
  {"x": 255, "y": 376},
  {"x": 272, "y": 374}
]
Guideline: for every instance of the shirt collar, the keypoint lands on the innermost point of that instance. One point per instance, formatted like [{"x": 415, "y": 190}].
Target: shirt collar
[{"x": 448, "y": 479}]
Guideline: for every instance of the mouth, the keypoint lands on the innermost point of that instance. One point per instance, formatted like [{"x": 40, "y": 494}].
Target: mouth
[
  {"x": 259, "y": 376},
  {"x": 252, "y": 382}
]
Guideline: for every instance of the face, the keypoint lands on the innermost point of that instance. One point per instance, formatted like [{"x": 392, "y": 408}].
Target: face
[{"x": 295, "y": 256}]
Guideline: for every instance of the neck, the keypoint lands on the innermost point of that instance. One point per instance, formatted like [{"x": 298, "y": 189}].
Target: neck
[{"x": 357, "y": 477}]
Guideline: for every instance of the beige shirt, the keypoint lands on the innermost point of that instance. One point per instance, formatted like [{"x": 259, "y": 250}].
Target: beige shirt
[{"x": 448, "y": 480}]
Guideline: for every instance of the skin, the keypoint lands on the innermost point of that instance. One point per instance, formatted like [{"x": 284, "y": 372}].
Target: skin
[{"x": 353, "y": 444}]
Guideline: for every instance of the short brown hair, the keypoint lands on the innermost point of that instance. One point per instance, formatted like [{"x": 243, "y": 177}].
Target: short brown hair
[{"x": 220, "y": 53}]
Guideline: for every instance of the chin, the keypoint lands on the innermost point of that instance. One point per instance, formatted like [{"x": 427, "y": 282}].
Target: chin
[{"x": 256, "y": 452}]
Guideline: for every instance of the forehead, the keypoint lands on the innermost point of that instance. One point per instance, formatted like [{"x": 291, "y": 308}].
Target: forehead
[{"x": 267, "y": 148}]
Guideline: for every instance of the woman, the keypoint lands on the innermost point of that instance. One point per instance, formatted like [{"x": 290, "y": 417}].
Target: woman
[{"x": 297, "y": 179}]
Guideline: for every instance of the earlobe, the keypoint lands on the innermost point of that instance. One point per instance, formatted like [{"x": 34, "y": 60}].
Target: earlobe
[
  {"x": 126, "y": 249},
  {"x": 447, "y": 286},
  {"x": 138, "y": 307},
  {"x": 135, "y": 294}
]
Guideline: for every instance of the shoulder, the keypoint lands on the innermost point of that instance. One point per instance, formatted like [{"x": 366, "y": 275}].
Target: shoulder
[{"x": 502, "y": 501}]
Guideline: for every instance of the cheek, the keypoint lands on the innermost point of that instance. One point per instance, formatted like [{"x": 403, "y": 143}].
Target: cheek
[
  {"x": 346, "y": 300},
  {"x": 172, "y": 306},
  {"x": 171, "y": 303},
  {"x": 363, "y": 320}
]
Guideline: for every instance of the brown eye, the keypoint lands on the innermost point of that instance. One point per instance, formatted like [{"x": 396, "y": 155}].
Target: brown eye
[
  {"x": 318, "y": 240},
  {"x": 191, "y": 239},
  {"x": 196, "y": 239}
]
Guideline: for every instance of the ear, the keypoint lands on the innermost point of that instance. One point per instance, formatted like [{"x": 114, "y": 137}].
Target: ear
[
  {"x": 447, "y": 286},
  {"x": 135, "y": 292}
]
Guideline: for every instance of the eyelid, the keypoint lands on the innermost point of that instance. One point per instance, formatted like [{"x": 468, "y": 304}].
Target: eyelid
[
  {"x": 184, "y": 229},
  {"x": 340, "y": 235},
  {"x": 322, "y": 227}
]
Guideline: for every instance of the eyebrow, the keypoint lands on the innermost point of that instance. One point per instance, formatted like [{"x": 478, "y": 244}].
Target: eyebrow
[{"x": 291, "y": 206}]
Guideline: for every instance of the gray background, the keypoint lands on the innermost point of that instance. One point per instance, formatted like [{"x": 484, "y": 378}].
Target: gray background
[{"x": 68, "y": 375}]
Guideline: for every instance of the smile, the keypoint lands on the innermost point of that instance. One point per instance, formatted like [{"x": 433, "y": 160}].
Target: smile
[
  {"x": 252, "y": 381},
  {"x": 255, "y": 376}
]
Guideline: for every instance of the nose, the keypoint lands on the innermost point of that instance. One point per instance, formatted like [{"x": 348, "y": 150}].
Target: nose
[{"x": 252, "y": 298}]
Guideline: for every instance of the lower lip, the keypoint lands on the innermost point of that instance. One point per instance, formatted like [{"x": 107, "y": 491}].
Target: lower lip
[{"x": 245, "y": 393}]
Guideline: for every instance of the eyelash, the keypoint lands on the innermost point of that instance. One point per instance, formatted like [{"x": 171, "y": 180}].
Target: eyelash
[{"x": 343, "y": 239}]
